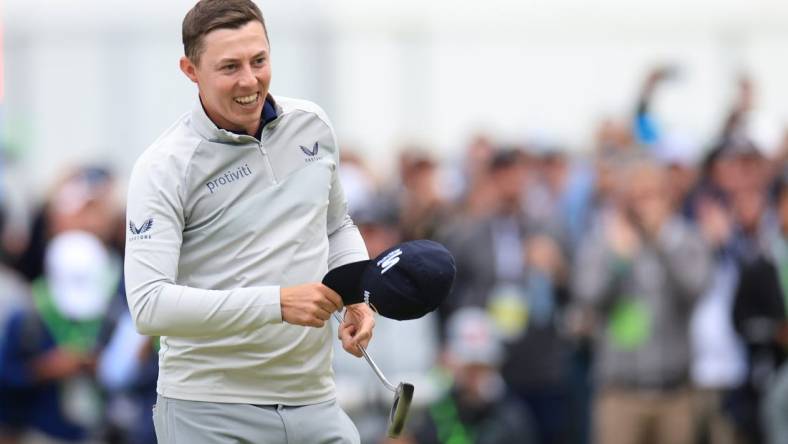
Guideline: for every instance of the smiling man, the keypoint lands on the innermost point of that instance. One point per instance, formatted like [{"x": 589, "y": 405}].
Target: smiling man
[{"x": 235, "y": 214}]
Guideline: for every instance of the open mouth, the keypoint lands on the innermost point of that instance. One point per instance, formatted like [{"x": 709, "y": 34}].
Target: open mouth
[{"x": 247, "y": 100}]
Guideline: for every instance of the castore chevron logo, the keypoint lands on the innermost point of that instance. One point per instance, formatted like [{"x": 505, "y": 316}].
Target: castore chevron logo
[{"x": 307, "y": 151}]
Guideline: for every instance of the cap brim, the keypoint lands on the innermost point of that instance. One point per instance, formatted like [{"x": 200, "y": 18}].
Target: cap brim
[{"x": 346, "y": 281}]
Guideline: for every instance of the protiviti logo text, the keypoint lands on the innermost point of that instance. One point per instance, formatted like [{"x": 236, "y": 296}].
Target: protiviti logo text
[{"x": 229, "y": 177}]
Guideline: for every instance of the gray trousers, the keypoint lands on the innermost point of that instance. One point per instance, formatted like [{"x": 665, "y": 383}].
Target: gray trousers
[{"x": 193, "y": 422}]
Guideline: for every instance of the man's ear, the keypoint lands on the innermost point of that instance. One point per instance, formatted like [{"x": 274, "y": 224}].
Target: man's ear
[{"x": 188, "y": 68}]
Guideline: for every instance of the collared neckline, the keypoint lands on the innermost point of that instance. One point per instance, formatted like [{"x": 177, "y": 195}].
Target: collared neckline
[{"x": 209, "y": 130}]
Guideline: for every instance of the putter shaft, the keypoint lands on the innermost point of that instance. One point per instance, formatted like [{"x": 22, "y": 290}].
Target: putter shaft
[{"x": 371, "y": 363}]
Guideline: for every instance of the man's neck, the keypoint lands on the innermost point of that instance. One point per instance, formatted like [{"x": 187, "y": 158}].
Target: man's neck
[
  {"x": 254, "y": 130},
  {"x": 267, "y": 114}
]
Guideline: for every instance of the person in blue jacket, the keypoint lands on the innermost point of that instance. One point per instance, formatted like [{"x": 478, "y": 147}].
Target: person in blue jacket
[{"x": 47, "y": 357}]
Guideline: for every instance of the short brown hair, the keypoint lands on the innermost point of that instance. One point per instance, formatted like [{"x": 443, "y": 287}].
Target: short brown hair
[{"x": 209, "y": 15}]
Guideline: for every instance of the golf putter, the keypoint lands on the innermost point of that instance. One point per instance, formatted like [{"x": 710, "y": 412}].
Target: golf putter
[{"x": 403, "y": 394}]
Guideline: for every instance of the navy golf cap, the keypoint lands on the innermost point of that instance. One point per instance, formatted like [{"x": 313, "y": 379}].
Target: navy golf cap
[{"x": 406, "y": 281}]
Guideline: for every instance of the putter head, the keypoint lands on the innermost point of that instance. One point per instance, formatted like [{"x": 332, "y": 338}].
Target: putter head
[{"x": 399, "y": 410}]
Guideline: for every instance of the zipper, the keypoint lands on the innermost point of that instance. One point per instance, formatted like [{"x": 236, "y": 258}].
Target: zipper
[
  {"x": 267, "y": 160},
  {"x": 266, "y": 157}
]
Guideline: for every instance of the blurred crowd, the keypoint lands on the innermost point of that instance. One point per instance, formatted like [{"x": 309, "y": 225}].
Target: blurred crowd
[{"x": 634, "y": 292}]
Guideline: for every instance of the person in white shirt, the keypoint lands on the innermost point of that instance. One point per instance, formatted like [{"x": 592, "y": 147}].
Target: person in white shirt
[{"x": 234, "y": 215}]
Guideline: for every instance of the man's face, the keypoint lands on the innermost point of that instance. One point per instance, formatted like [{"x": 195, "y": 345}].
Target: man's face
[
  {"x": 233, "y": 75},
  {"x": 648, "y": 197},
  {"x": 510, "y": 181}
]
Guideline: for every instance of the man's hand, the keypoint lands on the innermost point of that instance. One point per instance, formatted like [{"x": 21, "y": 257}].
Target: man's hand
[
  {"x": 356, "y": 328},
  {"x": 309, "y": 305}
]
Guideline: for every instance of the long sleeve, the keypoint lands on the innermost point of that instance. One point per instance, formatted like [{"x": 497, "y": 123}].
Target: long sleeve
[
  {"x": 155, "y": 225},
  {"x": 345, "y": 244},
  {"x": 218, "y": 222}
]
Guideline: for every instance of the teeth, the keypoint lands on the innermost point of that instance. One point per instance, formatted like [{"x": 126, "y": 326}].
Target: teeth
[{"x": 247, "y": 99}]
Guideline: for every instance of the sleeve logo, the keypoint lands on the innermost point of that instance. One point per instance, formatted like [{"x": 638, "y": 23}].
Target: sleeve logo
[
  {"x": 137, "y": 232},
  {"x": 308, "y": 152}
]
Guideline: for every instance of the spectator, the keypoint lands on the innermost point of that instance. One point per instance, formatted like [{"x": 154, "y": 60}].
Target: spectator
[
  {"x": 639, "y": 271},
  {"x": 477, "y": 409},
  {"x": 560, "y": 196},
  {"x": 517, "y": 274},
  {"x": 613, "y": 136},
  {"x": 775, "y": 406},
  {"x": 422, "y": 207},
  {"x": 679, "y": 155},
  {"x": 127, "y": 370},
  {"x": 719, "y": 362},
  {"x": 468, "y": 181},
  {"x": 761, "y": 314},
  {"x": 489, "y": 249},
  {"x": 48, "y": 358},
  {"x": 82, "y": 200}
]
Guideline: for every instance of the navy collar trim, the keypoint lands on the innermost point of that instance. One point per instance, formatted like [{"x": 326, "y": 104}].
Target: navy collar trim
[
  {"x": 267, "y": 115},
  {"x": 269, "y": 111},
  {"x": 208, "y": 129}
]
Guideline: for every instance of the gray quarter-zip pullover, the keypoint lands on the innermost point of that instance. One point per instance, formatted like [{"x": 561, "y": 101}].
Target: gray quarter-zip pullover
[{"x": 217, "y": 222}]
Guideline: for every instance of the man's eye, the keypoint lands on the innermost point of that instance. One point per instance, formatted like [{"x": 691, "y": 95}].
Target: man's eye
[
  {"x": 228, "y": 67},
  {"x": 259, "y": 60}
]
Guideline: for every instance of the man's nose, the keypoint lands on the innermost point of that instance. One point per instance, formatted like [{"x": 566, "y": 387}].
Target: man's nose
[{"x": 247, "y": 77}]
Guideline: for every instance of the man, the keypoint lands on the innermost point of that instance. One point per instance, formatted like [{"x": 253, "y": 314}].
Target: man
[
  {"x": 760, "y": 313},
  {"x": 639, "y": 272},
  {"x": 235, "y": 214},
  {"x": 478, "y": 407},
  {"x": 48, "y": 350},
  {"x": 515, "y": 273}
]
